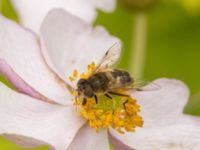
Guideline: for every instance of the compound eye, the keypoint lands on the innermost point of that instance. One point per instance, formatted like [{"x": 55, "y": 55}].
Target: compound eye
[
  {"x": 88, "y": 92},
  {"x": 81, "y": 87}
]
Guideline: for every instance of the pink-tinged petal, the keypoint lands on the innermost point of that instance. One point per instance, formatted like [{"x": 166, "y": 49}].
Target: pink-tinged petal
[
  {"x": 69, "y": 43},
  {"x": 167, "y": 101},
  {"x": 165, "y": 125},
  {"x": 21, "y": 59},
  {"x": 33, "y": 12},
  {"x": 36, "y": 122},
  {"x": 14, "y": 79},
  {"x": 88, "y": 139}
]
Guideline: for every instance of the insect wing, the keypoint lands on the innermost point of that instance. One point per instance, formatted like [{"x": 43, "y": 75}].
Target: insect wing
[
  {"x": 110, "y": 57},
  {"x": 138, "y": 86},
  {"x": 145, "y": 86}
]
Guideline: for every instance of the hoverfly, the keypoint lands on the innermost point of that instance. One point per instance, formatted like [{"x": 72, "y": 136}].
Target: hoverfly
[{"x": 105, "y": 80}]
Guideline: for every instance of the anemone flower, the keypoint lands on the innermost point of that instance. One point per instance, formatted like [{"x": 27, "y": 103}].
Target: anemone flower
[
  {"x": 33, "y": 12},
  {"x": 41, "y": 111}
]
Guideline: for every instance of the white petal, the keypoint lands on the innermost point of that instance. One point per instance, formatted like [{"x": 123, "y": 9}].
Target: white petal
[
  {"x": 106, "y": 5},
  {"x": 23, "y": 141},
  {"x": 184, "y": 135},
  {"x": 88, "y": 139},
  {"x": 40, "y": 122},
  {"x": 165, "y": 125},
  {"x": 33, "y": 12},
  {"x": 20, "y": 55},
  {"x": 117, "y": 143},
  {"x": 166, "y": 102},
  {"x": 69, "y": 43}
]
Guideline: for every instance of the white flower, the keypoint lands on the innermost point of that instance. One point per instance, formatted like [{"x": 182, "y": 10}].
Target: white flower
[
  {"x": 42, "y": 111},
  {"x": 32, "y": 12}
]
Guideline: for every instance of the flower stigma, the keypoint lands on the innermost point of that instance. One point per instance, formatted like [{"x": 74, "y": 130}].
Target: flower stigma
[{"x": 120, "y": 113}]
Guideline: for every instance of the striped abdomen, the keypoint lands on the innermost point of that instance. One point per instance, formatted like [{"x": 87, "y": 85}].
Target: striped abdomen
[
  {"x": 108, "y": 80},
  {"x": 120, "y": 79}
]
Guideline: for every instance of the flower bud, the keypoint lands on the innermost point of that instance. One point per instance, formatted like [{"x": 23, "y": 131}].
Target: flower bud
[{"x": 191, "y": 6}]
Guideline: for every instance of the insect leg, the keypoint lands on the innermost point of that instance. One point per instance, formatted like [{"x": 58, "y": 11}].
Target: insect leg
[
  {"x": 84, "y": 101},
  {"x": 138, "y": 89},
  {"x": 96, "y": 99},
  {"x": 76, "y": 99},
  {"x": 107, "y": 95},
  {"x": 118, "y": 94},
  {"x": 124, "y": 104}
]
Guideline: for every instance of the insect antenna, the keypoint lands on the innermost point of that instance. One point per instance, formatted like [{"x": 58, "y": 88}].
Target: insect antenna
[{"x": 76, "y": 101}]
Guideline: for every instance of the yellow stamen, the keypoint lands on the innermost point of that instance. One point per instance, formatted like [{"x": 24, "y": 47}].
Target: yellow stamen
[
  {"x": 83, "y": 76},
  {"x": 74, "y": 75},
  {"x": 120, "y": 113},
  {"x": 91, "y": 67}
]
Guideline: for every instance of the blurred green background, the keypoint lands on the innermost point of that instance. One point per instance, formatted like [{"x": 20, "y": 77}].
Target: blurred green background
[{"x": 173, "y": 44}]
